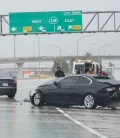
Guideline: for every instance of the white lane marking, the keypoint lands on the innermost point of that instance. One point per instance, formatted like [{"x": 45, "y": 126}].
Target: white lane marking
[{"x": 81, "y": 124}]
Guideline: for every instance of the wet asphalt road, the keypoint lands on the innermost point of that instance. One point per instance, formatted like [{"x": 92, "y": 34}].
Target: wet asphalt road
[{"x": 19, "y": 119}]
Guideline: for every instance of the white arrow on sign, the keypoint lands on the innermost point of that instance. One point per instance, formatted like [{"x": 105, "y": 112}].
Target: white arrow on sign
[
  {"x": 41, "y": 28},
  {"x": 13, "y": 29},
  {"x": 69, "y": 27},
  {"x": 59, "y": 28}
]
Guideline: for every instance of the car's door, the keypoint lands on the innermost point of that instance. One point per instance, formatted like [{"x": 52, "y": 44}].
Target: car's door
[
  {"x": 62, "y": 92},
  {"x": 83, "y": 84}
]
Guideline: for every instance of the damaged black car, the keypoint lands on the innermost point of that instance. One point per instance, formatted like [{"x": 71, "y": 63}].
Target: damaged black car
[{"x": 87, "y": 90}]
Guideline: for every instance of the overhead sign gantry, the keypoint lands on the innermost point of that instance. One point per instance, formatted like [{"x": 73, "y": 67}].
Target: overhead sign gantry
[{"x": 56, "y": 22}]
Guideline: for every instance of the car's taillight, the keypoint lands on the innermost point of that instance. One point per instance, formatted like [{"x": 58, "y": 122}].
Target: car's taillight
[
  {"x": 15, "y": 81},
  {"x": 110, "y": 89}
]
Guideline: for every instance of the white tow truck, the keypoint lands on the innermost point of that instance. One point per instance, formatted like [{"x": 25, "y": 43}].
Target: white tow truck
[{"x": 84, "y": 65}]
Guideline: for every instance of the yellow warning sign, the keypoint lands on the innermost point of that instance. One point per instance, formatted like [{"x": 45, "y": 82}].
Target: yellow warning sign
[
  {"x": 27, "y": 28},
  {"x": 76, "y": 27}
]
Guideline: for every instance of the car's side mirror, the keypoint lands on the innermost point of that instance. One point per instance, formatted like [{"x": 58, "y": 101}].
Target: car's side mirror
[{"x": 56, "y": 83}]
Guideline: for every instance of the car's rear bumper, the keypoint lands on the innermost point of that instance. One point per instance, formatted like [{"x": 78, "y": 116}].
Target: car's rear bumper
[
  {"x": 114, "y": 101},
  {"x": 8, "y": 90},
  {"x": 104, "y": 98}
]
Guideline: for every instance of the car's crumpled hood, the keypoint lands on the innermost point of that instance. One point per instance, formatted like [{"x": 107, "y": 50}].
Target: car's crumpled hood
[{"x": 33, "y": 90}]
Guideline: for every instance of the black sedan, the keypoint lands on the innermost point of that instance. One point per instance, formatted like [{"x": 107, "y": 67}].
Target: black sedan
[
  {"x": 8, "y": 84},
  {"x": 72, "y": 90}
]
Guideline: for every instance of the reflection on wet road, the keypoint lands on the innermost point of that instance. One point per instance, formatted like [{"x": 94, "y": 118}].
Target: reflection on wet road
[
  {"x": 22, "y": 120},
  {"x": 26, "y": 121}
]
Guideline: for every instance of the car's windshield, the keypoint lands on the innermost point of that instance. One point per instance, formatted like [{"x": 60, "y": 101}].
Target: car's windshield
[{"x": 78, "y": 66}]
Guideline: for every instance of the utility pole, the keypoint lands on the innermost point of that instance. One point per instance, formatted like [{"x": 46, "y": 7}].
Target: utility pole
[
  {"x": 39, "y": 53},
  {"x": 60, "y": 57},
  {"x": 14, "y": 55}
]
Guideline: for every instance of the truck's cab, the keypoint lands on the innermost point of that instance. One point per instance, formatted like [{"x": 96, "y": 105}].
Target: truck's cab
[{"x": 84, "y": 65}]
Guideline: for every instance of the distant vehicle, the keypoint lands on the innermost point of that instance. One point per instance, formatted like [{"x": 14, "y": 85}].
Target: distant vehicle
[
  {"x": 8, "y": 84},
  {"x": 84, "y": 65},
  {"x": 73, "y": 90}
]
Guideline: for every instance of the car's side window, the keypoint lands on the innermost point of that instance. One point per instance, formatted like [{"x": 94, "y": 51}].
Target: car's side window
[
  {"x": 84, "y": 80},
  {"x": 69, "y": 80}
]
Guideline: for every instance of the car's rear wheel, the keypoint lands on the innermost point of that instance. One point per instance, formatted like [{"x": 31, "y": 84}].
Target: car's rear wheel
[
  {"x": 37, "y": 99},
  {"x": 11, "y": 95},
  {"x": 89, "y": 101}
]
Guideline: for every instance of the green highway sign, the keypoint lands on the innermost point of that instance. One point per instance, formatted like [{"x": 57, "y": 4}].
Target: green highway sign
[{"x": 50, "y": 22}]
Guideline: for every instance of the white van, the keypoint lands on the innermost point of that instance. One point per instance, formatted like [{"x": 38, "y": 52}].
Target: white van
[{"x": 84, "y": 65}]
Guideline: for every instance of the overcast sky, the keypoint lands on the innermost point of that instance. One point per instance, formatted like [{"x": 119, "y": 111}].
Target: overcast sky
[{"x": 25, "y": 46}]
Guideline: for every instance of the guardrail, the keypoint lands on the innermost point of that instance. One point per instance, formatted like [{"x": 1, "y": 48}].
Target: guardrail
[{"x": 51, "y": 58}]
